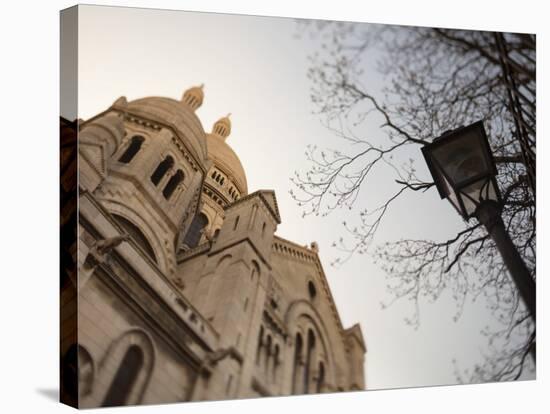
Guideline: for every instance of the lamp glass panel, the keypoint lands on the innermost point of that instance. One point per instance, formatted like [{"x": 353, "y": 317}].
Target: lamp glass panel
[
  {"x": 462, "y": 158},
  {"x": 450, "y": 193},
  {"x": 479, "y": 191}
]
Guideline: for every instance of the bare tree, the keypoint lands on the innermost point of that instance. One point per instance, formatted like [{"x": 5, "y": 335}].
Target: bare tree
[{"x": 434, "y": 80}]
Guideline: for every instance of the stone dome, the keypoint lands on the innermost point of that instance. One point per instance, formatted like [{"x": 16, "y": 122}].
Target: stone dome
[
  {"x": 193, "y": 97},
  {"x": 225, "y": 158},
  {"x": 222, "y": 127},
  {"x": 176, "y": 114}
]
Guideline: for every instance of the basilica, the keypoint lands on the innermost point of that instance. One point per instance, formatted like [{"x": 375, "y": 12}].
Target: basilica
[{"x": 176, "y": 286}]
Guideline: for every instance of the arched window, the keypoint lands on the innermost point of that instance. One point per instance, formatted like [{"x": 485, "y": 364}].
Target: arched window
[
  {"x": 255, "y": 269},
  {"x": 321, "y": 377},
  {"x": 174, "y": 181},
  {"x": 193, "y": 236},
  {"x": 307, "y": 371},
  {"x": 275, "y": 362},
  {"x": 132, "y": 149},
  {"x": 125, "y": 377},
  {"x": 162, "y": 169},
  {"x": 267, "y": 353},
  {"x": 228, "y": 386},
  {"x": 137, "y": 235},
  {"x": 311, "y": 289},
  {"x": 260, "y": 344},
  {"x": 297, "y": 363}
]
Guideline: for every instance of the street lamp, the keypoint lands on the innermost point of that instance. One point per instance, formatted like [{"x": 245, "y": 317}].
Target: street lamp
[{"x": 463, "y": 169}]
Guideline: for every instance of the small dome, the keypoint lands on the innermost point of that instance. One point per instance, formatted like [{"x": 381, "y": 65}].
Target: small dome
[
  {"x": 193, "y": 97},
  {"x": 226, "y": 160},
  {"x": 222, "y": 127}
]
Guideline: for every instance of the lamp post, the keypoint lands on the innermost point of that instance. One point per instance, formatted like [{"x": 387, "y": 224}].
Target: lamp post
[{"x": 463, "y": 169}]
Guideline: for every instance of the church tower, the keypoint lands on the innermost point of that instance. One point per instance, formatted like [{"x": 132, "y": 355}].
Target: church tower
[
  {"x": 225, "y": 182},
  {"x": 232, "y": 289},
  {"x": 152, "y": 156}
]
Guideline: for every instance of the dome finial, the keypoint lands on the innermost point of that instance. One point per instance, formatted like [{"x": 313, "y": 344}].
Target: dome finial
[
  {"x": 222, "y": 127},
  {"x": 193, "y": 97}
]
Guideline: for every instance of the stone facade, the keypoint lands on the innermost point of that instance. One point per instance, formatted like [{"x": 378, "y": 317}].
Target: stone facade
[{"x": 184, "y": 291}]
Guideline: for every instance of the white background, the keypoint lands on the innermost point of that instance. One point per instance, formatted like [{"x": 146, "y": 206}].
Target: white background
[{"x": 29, "y": 228}]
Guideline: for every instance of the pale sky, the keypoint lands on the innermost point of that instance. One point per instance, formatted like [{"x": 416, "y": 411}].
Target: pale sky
[{"x": 255, "y": 68}]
